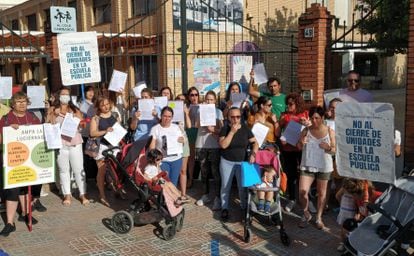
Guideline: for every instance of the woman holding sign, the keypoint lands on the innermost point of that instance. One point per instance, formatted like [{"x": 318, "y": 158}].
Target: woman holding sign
[
  {"x": 318, "y": 143},
  {"x": 16, "y": 117},
  {"x": 70, "y": 156}
]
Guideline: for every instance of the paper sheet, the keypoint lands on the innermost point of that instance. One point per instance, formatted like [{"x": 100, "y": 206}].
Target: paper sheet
[
  {"x": 238, "y": 99},
  {"x": 292, "y": 132},
  {"x": 6, "y": 83},
  {"x": 173, "y": 146},
  {"x": 330, "y": 124},
  {"x": 260, "y": 75},
  {"x": 116, "y": 135},
  {"x": 313, "y": 155},
  {"x": 36, "y": 94},
  {"x": 328, "y": 96},
  {"x": 70, "y": 125},
  {"x": 74, "y": 99},
  {"x": 146, "y": 106},
  {"x": 161, "y": 102},
  {"x": 207, "y": 114},
  {"x": 260, "y": 132},
  {"x": 138, "y": 88},
  {"x": 178, "y": 107},
  {"x": 52, "y": 135},
  {"x": 118, "y": 81}
]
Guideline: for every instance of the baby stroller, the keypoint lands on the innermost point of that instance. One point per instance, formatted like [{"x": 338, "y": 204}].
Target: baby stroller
[
  {"x": 151, "y": 206},
  {"x": 390, "y": 224},
  {"x": 266, "y": 158}
]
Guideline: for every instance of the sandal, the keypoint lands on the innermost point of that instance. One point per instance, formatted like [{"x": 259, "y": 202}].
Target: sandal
[
  {"x": 84, "y": 200},
  {"x": 104, "y": 202},
  {"x": 304, "y": 221},
  {"x": 319, "y": 224},
  {"x": 184, "y": 199},
  {"x": 67, "y": 200}
]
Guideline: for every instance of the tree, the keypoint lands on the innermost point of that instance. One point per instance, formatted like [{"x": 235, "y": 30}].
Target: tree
[{"x": 388, "y": 23}]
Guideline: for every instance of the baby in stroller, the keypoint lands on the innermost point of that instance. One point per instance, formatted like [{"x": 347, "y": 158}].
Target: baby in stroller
[
  {"x": 266, "y": 197},
  {"x": 152, "y": 173}
]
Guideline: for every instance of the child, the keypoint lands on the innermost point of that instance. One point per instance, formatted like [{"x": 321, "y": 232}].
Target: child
[
  {"x": 154, "y": 158},
  {"x": 268, "y": 176}
]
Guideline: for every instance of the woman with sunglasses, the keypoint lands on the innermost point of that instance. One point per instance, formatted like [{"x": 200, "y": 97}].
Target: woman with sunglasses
[
  {"x": 265, "y": 116},
  {"x": 234, "y": 139},
  {"x": 291, "y": 154},
  {"x": 193, "y": 99}
]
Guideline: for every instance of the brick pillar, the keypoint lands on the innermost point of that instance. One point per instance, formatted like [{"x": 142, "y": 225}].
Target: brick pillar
[
  {"x": 312, "y": 52},
  {"x": 409, "y": 114},
  {"x": 54, "y": 77}
]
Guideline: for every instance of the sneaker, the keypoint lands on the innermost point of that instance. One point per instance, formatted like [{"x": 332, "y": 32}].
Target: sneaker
[
  {"x": 260, "y": 206},
  {"x": 224, "y": 214},
  {"x": 43, "y": 193},
  {"x": 341, "y": 247},
  {"x": 216, "y": 204},
  {"x": 203, "y": 200},
  {"x": 267, "y": 208},
  {"x": 290, "y": 205},
  {"x": 25, "y": 218},
  {"x": 38, "y": 206},
  {"x": 311, "y": 207},
  {"x": 8, "y": 229}
]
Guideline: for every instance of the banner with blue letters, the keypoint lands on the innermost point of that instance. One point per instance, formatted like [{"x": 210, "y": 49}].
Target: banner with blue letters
[{"x": 365, "y": 141}]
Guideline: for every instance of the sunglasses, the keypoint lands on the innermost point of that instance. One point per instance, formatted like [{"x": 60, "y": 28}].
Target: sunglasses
[
  {"x": 158, "y": 159},
  {"x": 353, "y": 80},
  {"x": 238, "y": 117},
  {"x": 193, "y": 94}
]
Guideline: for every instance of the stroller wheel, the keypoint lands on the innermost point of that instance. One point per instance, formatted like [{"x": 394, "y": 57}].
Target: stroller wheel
[
  {"x": 122, "y": 222},
  {"x": 168, "y": 232},
  {"x": 247, "y": 235},
  {"x": 285, "y": 239},
  {"x": 180, "y": 220}
]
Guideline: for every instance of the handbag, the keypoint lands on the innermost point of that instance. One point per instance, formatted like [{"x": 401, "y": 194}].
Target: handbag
[
  {"x": 92, "y": 147},
  {"x": 250, "y": 174}
]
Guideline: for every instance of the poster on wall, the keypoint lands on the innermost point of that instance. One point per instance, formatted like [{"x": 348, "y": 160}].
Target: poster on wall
[
  {"x": 210, "y": 15},
  {"x": 26, "y": 159},
  {"x": 207, "y": 75},
  {"x": 365, "y": 141},
  {"x": 241, "y": 67},
  {"x": 79, "y": 58}
]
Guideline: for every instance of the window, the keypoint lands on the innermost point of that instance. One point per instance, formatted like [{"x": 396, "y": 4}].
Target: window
[
  {"x": 102, "y": 11},
  {"x": 47, "y": 25},
  {"x": 35, "y": 69},
  {"x": 143, "y": 7},
  {"x": 146, "y": 70},
  {"x": 31, "y": 22},
  {"x": 107, "y": 67},
  {"x": 18, "y": 73},
  {"x": 15, "y": 24},
  {"x": 366, "y": 64}
]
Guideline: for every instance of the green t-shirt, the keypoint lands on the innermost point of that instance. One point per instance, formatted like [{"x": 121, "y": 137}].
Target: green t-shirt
[{"x": 278, "y": 103}]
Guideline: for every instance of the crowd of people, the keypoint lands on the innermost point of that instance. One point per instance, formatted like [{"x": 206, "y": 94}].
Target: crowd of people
[{"x": 219, "y": 149}]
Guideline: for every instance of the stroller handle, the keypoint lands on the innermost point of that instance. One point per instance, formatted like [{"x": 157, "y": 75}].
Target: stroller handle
[
  {"x": 105, "y": 153},
  {"x": 376, "y": 208}
]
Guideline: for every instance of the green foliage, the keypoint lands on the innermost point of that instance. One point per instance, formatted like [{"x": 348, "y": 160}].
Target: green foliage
[{"x": 388, "y": 23}]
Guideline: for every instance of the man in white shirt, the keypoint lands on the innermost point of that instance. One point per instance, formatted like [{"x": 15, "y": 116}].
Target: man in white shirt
[{"x": 353, "y": 92}]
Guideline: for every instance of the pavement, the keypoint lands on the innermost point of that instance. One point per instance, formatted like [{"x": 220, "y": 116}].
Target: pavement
[{"x": 85, "y": 230}]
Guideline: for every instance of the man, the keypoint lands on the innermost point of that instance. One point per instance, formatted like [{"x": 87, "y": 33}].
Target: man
[
  {"x": 275, "y": 95},
  {"x": 353, "y": 92}
]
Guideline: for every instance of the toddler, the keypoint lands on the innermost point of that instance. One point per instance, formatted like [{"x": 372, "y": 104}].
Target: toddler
[{"x": 266, "y": 197}]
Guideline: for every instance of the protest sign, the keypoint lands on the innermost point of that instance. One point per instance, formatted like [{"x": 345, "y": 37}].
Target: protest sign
[
  {"x": 138, "y": 89},
  {"x": 6, "y": 83},
  {"x": 207, "y": 114},
  {"x": 207, "y": 74},
  {"x": 79, "y": 58},
  {"x": 241, "y": 68},
  {"x": 26, "y": 160},
  {"x": 260, "y": 75},
  {"x": 118, "y": 81},
  {"x": 365, "y": 141},
  {"x": 178, "y": 107},
  {"x": 36, "y": 94}
]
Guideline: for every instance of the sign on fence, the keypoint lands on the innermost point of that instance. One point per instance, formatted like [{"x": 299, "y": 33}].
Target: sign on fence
[
  {"x": 63, "y": 19},
  {"x": 365, "y": 141}
]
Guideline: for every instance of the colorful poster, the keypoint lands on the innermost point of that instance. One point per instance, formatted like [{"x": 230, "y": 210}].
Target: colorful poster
[
  {"x": 26, "y": 159},
  {"x": 217, "y": 15},
  {"x": 79, "y": 58},
  {"x": 365, "y": 141},
  {"x": 207, "y": 75},
  {"x": 241, "y": 68}
]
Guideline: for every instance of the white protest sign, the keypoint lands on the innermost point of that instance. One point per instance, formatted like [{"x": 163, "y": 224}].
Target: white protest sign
[
  {"x": 237, "y": 99},
  {"x": 260, "y": 132},
  {"x": 138, "y": 89},
  {"x": 146, "y": 107},
  {"x": 116, "y": 135},
  {"x": 260, "y": 75},
  {"x": 62, "y": 19},
  {"x": 26, "y": 160},
  {"x": 178, "y": 107},
  {"x": 241, "y": 68},
  {"x": 36, "y": 94},
  {"x": 79, "y": 58},
  {"x": 53, "y": 135},
  {"x": 207, "y": 114},
  {"x": 365, "y": 141},
  {"x": 161, "y": 101},
  {"x": 291, "y": 134},
  {"x": 6, "y": 83},
  {"x": 118, "y": 81}
]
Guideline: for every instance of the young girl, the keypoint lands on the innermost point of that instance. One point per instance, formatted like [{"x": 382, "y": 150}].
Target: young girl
[
  {"x": 268, "y": 176},
  {"x": 154, "y": 158}
]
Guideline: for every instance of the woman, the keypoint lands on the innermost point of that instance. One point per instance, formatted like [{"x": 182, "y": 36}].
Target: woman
[
  {"x": 163, "y": 136},
  {"x": 234, "y": 140},
  {"x": 193, "y": 99},
  {"x": 318, "y": 143},
  {"x": 166, "y": 92},
  {"x": 70, "y": 156},
  {"x": 16, "y": 117},
  {"x": 142, "y": 128},
  {"x": 291, "y": 154},
  {"x": 208, "y": 153},
  {"x": 101, "y": 124},
  {"x": 265, "y": 116},
  {"x": 234, "y": 87}
]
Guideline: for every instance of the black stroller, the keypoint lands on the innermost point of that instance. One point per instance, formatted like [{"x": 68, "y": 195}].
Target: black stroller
[{"x": 150, "y": 206}]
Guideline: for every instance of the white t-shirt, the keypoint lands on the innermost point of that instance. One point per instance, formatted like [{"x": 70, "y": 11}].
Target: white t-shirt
[
  {"x": 360, "y": 95},
  {"x": 204, "y": 138},
  {"x": 164, "y": 134},
  {"x": 151, "y": 171}
]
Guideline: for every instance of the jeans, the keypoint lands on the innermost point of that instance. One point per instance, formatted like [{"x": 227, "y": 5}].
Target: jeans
[
  {"x": 173, "y": 169},
  {"x": 71, "y": 157},
  {"x": 227, "y": 171}
]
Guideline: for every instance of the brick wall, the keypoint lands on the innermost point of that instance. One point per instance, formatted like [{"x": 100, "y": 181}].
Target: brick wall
[{"x": 409, "y": 116}]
